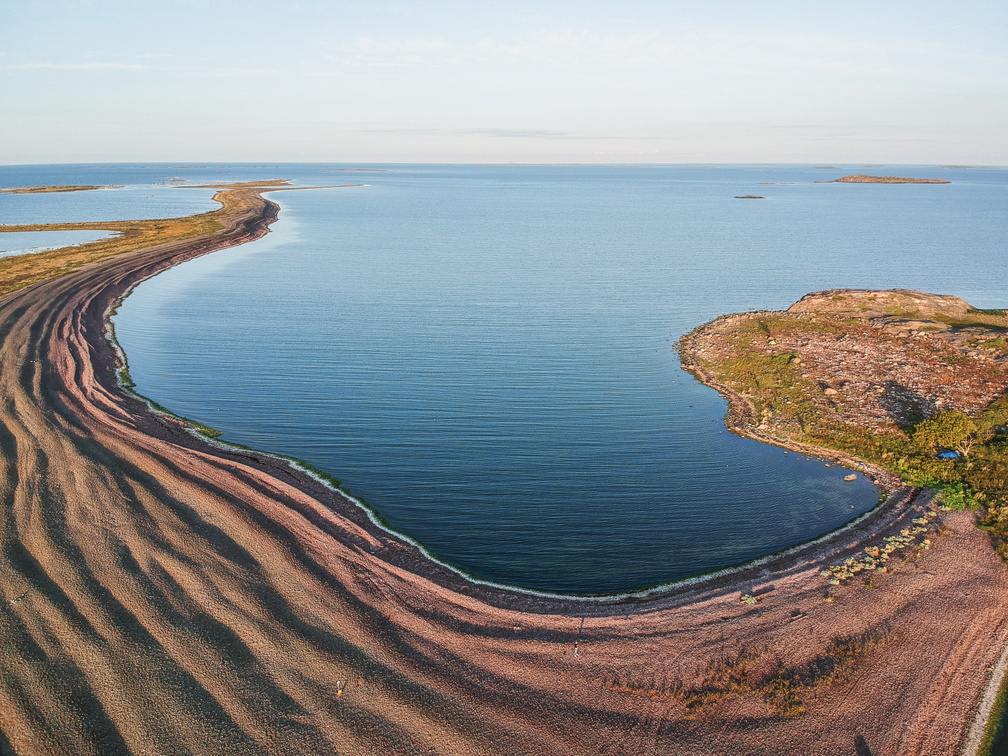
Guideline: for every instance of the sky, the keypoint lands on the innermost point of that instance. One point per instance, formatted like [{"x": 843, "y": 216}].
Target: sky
[{"x": 662, "y": 81}]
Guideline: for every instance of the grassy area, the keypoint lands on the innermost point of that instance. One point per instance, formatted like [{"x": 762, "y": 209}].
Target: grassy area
[
  {"x": 859, "y": 178},
  {"x": 995, "y": 737},
  {"x": 988, "y": 319},
  {"x": 20, "y": 271}
]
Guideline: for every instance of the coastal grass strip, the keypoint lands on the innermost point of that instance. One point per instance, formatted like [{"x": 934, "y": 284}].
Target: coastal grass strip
[
  {"x": 25, "y": 270},
  {"x": 994, "y": 741},
  {"x": 55, "y": 189}
]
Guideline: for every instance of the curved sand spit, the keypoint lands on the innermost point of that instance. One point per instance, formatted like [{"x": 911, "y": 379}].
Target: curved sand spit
[{"x": 161, "y": 595}]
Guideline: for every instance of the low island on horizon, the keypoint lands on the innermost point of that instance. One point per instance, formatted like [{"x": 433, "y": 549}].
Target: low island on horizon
[
  {"x": 859, "y": 178},
  {"x": 165, "y": 592}
]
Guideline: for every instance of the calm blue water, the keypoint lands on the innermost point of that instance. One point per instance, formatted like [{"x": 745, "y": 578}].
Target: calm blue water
[{"x": 484, "y": 354}]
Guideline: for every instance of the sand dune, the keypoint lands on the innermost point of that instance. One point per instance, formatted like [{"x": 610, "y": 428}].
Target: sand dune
[{"x": 162, "y": 595}]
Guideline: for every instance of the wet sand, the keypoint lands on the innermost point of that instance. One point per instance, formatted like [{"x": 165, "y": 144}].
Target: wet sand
[{"x": 162, "y": 594}]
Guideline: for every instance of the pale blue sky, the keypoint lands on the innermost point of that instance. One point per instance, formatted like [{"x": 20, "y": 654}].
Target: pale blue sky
[{"x": 558, "y": 81}]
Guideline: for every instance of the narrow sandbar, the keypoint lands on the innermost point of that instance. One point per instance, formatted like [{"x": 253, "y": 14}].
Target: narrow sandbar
[{"x": 858, "y": 178}]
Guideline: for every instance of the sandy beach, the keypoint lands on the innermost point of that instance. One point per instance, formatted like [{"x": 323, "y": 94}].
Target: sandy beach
[{"x": 165, "y": 594}]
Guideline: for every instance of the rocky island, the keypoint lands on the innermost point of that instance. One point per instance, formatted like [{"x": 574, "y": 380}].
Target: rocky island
[{"x": 858, "y": 178}]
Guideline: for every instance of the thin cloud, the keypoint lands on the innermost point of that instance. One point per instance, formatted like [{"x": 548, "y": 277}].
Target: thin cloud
[
  {"x": 641, "y": 56},
  {"x": 89, "y": 66},
  {"x": 491, "y": 132},
  {"x": 739, "y": 54},
  {"x": 183, "y": 70},
  {"x": 403, "y": 131},
  {"x": 522, "y": 133},
  {"x": 535, "y": 134},
  {"x": 371, "y": 51}
]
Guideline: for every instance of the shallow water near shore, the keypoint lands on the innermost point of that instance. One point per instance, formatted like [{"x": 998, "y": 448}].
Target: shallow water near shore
[
  {"x": 485, "y": 354},
  {"x": 26, "y": 242}
]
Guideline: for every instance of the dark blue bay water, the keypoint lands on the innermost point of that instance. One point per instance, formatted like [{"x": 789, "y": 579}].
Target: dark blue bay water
[{"x": 485, "y": 354}]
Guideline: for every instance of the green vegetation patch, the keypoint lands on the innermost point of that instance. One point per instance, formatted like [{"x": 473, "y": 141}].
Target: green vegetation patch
[
  {"x": 995, "y": 313},
  {"x": 24, "y": 270},
  {"x": 912, "y": 539},
  {"x": 52, "y": 189},
  {"x": 986, "y": 321},
  {"x": 204, "y": 430},
  {"x": 995, "y": 736},
  {"x": 860, "y": 178}
]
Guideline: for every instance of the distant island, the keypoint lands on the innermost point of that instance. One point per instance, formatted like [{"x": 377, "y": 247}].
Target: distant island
[
  {"x": 51, "y": 189},
  {"x": 860, "y": 178}
]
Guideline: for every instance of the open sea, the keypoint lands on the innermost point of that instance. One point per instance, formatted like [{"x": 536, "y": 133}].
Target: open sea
[{"x": 484, "y": 354}]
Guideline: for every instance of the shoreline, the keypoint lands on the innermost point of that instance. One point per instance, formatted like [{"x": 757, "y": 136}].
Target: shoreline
[
  {"x": 891, "y": 489},
  {"x": 892, "y": 502},
  {"x": 169, "y": 548},
  {"x": 740, "y": 419}
]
